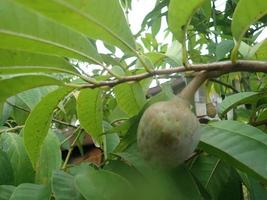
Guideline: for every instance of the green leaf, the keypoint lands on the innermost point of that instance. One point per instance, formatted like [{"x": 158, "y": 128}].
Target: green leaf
[
  {"x": 112, "y": 141},
  {"x": 32, "y": 97},
  {"x": 98, "y": 19},
  {"x": 102, "y": 185},
  {"x": 29, "y": 31},
  {"x": 63, "y": 186},
  {"x": 29, "y": 191},
  {"x": 6, "y": 172},
  {"x": 186, "y": 186},
  {"x": 179, "y": 16},
  {"x": 13, "y": 145},
  {"x": 242, "y": 146},
  {"x": 89, "y": 110},
  {"x": 6, "y": 191},
  {"x": 38, "y": 122},
  {"x": 130, "y": 97},
  {"x": 217, "y": 177},
  {"x": 49, "y": 159},
  {"x": 125, "y": 170},
  {"x": 246, "y": 13},
  {"x": 175, "y": 51},
  {"x": 223, "y": 48},
  {"x": 12, "y": 86},
  {"x": 14, "y": 62},
  {"x": 261, "y": 53},
  {"x": 256, "y": 189},
  {"x": 238, "y": 99}
]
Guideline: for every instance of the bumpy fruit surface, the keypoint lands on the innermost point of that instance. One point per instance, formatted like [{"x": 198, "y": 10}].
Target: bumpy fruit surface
[
  {"x": 211, "y": 110},
  {"x": 168, "y": 133}
]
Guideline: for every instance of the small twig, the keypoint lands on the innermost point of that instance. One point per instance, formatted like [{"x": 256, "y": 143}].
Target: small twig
[
  {"x": 224, "y": 84},
  {"x": 259, "y": 123},
  {"x": 28, "y": 111},
  {"x": 64, "y": 166},
  {"x": 11, "y": 129}
]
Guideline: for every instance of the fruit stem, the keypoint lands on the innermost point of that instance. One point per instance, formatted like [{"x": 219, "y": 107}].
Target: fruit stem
[{"x": 189, "y": 91}]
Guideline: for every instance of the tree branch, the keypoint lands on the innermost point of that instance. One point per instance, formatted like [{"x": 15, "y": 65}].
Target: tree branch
[{"x": 217, "y": 69}]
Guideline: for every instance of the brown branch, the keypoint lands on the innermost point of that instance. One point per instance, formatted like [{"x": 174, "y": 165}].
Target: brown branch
[
  {"x": 259, "y": 123},
  {"x": 218, "y": 67}
]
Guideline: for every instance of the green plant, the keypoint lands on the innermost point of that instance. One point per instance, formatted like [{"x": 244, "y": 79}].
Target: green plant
[{"x": 56, "y": 88}]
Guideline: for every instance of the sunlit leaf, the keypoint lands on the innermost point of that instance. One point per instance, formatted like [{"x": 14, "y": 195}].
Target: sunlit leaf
[
  {"x": 179, "y": 16},
  {"x": 31, "y": 32},
  {"x": 99, "y": 19},
  {"x": 261, "y": 53},
  {"x": 14, "y": 62},
  {"x": 246, "y": 13}
]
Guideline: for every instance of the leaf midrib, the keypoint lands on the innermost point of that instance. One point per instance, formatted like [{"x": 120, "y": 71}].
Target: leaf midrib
[
  {"x": 93, "y": 20},
  {"x": 30, "y": 37}
]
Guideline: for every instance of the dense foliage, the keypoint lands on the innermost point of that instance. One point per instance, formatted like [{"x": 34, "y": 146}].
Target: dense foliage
[{"x": 61, "y": 96}]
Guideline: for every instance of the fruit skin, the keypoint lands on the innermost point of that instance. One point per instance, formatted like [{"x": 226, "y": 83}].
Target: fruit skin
[
  {"x": 168, "y": 133},
  {"x": 211, "y": 110}
]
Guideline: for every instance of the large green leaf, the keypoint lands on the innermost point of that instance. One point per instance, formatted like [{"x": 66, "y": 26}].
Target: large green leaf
[
  {"x": 89, "y": 110},
  {"x": 6, "y": 191},
  {"x": 63, "y": 186},
  {"x": 246, "y": 13},
  {"x": 14, "y": 62},
  {"x": 6, "y": 172},
  {"x": 32, "y": 97},
  {"x": 99, "y": 19},
  {"x": 130, "y": 97},
  {"x": 241, "y": 145},
  {"x": 29, "y": 191},
  {"x": 217, "y": 177},
  {"x": 102, "y": 185},
  {"x": 49, "y": 159},
  {"x": 12, "y": 86},
  {"x": 38, "y": 122},
  {"x": 13, "y": 145},
  {"x": 31, "y": 32},
  {"x": 238, "y": 99},
  {"x": 179, "y": 16},
  {"x": 256, "y": 190},
  {"x": 176, "y": 184}
]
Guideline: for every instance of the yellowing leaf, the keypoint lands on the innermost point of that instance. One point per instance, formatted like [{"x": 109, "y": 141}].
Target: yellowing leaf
[
  {"x": 179, "y": 16},
  {"x": 246, "y": 13}
]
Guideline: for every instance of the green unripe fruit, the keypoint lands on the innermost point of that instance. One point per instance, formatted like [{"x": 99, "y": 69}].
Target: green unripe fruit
[{"x": 168, "y": 133}]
